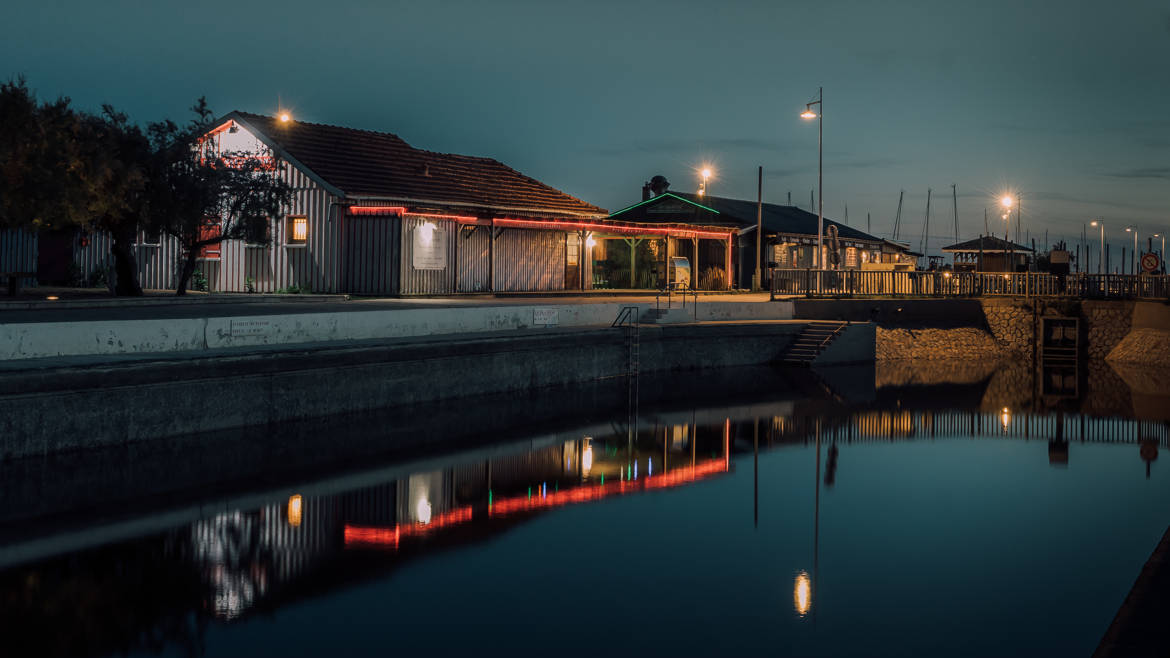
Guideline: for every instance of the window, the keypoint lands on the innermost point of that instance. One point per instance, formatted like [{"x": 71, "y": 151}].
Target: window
[
  {"x": 850, "y": 256},
  {"x": 297, "y": 231},
  {"x": 259, "y": 236},
  {"x": 150, "y": 237}
]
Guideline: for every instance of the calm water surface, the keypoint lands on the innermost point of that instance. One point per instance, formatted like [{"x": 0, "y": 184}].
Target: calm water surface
[{"x": 907, "y": 523}]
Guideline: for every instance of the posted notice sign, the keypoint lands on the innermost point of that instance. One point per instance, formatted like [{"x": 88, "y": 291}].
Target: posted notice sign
[
  {"x": 545, "y": 317},
  {"x": 1150, "y": 262},
  {"x": 429, "y": 247}
]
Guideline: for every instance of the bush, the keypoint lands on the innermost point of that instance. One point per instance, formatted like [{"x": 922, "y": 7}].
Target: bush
[
  {"x": 199, "y": 281},
  {"x": 712, "y": 278}
]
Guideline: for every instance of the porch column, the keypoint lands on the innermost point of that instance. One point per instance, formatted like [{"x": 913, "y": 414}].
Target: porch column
[
  {"x": 727, "y": 267},
  {"x": 695, "y": 264}
]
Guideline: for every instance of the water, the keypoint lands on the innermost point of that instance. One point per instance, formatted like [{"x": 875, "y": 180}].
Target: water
[{"x": 902, "y": 520}]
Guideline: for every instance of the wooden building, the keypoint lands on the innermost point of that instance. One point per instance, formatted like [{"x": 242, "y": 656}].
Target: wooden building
[
  {"x": 723, "y": 249},
  {"x": 989, "y": 254},
  {"x": 373, "y": 215}
]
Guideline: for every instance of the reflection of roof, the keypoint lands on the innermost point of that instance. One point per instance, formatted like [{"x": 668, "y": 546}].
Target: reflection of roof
[
  {"x": 784, "y": 220},
  {"x": 990, "y": 244},
  {"x": 366, "y": 163}
]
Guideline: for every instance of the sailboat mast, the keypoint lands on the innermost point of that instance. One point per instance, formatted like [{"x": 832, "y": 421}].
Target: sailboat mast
[
  {"x": 926, "y": 230},
  {"x": 898, "y": 217}
]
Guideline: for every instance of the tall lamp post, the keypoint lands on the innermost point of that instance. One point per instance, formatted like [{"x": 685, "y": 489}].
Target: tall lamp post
[
  {"x": 1133, "y": 257},
  {"x": 1101, "y": 262},
  {"x": 809, "y": 114},
  {"x": 1163, "y": 250},
  {"x": 706, "y": 174},
  {"x": 1009, "y": 252}
]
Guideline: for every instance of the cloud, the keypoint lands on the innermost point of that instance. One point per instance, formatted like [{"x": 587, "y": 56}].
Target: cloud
[
  {"x": 692, "y": 145},
  {"x": 1141, "y": 172}
]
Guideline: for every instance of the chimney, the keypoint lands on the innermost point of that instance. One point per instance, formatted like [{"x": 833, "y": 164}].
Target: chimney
[
  {"x": 646, "y": 191},
  {"x": 659, "y": 185}
]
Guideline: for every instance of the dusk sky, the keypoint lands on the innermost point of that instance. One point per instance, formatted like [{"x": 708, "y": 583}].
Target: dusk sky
[{"x": 1068, "y": 103}]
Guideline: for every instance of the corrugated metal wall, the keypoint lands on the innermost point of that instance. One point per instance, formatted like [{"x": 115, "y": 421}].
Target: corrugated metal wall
[
  {"x": 427, "y": 282},
  {"x": 472, "y": 253},
  {"x": 370, "y": 254},
  {"x": 18, "y": 253},
  {"x": 528, "y": 260}
]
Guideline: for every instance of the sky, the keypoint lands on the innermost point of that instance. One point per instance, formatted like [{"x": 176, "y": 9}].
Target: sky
[{"x": 1065, "y": 104}]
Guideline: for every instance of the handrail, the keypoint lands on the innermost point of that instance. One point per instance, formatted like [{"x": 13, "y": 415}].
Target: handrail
[
  {"x": 626, "y": 317},
  {"x": 832, "y": 335}
]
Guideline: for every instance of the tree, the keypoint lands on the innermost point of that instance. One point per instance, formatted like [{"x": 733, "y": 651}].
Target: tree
[
  {"x": 203, "y": 196},
  {"x": 61, "y": 168}
]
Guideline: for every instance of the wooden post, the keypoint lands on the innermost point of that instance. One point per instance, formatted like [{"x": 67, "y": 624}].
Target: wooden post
[
  {"x": 728, "y": 264},
  {"x": 492, "y": 255}
]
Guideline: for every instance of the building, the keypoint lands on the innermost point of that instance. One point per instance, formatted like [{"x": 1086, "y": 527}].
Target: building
[
  {"x": 721, "y": 250},
  {"x": 988, "y": 253},
  {"x": 372, "y": 214}
]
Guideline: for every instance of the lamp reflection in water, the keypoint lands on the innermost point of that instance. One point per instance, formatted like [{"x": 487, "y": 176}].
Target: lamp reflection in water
[
  {"x": 1005, "y": 418},
  {"x": 423, "y": 511},
  {"x": 802, "y": 594}
]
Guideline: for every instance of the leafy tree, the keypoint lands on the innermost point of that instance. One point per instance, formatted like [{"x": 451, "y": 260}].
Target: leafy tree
[
  {"x": 202, "y": 196},
  {"x": 61, "y": 168}
]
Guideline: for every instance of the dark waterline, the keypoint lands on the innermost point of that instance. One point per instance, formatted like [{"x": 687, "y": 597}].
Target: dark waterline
[{"x": 811, "y": 520}]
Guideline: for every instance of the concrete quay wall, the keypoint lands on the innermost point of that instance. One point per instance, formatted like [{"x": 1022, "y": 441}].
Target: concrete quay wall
[
  {"x": 49, "y": 339},
  {"x": 78, "y": 408}
]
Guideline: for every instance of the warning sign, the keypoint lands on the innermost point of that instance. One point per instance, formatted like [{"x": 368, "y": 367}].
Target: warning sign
[{"x": 1150, "y": 262}]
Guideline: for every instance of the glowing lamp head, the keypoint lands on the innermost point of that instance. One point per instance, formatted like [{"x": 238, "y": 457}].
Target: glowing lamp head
[
  {"x": 284, "y": 117},
  {"x": 1094, "y": 223},
  {"x": 1007, "y": 201},
  {"x": 808, "y": 113},
  {"x": 1129, "y": 229},
  {"x": 706, "y": 173},
  {"x": 590, "y": 242}
]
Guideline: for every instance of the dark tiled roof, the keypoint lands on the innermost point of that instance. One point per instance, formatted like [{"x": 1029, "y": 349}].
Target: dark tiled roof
[
  {"x": 777, "y": 219},
  {"x": 367, "y": 163},
  {"x": 990, "y": 243}
]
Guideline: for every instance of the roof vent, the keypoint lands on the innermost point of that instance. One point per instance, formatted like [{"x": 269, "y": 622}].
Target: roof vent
[{"x": 426, "y": 169}]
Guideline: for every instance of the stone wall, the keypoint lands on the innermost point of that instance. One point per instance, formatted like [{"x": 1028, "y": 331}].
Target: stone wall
[
  {"x": 1107, "y": 323},
  {"x": 963, "y": 343},
  {"x": 1010, "y": 322},
  {"x": 1150, "y": 347}
]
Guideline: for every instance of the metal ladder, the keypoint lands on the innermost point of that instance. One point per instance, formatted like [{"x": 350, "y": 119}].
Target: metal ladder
[{"x": 627, "y": 319}]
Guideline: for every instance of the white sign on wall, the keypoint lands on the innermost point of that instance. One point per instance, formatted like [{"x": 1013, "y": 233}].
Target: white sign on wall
[
  {"x": 429, "y": 247},
  {"x": 545, "y": 317},
  {"x": 250, "y": 327}
]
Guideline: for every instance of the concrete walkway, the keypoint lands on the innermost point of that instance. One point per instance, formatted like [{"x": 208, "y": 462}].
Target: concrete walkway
[{"x": 155, "y": 328}]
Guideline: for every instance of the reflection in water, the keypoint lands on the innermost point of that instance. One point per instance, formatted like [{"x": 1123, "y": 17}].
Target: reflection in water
[
  {"x": 802, "y": 594},
  {"x": 220, "y": 568}
]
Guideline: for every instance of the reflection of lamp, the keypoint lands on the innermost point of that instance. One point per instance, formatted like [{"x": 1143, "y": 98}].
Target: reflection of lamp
[
  {"x": 423, "y": 511},
  {"x": 802, "y": 594},
  {"x": 294, "y": 510},
  {"x": 586, "y": 459},
  {"x": 1005, "y": 418}
]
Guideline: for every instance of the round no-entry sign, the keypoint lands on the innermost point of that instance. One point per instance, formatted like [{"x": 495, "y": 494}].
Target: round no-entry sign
[{"x": 1149, "y": 262}]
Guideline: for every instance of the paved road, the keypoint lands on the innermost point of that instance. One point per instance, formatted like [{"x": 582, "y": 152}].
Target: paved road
[{"x": 160, "y": 310}]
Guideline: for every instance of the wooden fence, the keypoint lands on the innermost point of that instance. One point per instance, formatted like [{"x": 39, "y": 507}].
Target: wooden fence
[{"x": 847, "y": 283}]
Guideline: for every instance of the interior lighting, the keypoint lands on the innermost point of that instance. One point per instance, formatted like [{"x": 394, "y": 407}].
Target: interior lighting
[
  {"x": 587, "y": 459},
  {"x": 52, "y": 298},
  {"x": 294, "y": 510}
]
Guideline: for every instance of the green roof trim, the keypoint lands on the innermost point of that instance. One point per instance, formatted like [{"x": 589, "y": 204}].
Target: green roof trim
[{"x": 658, "y": 198}]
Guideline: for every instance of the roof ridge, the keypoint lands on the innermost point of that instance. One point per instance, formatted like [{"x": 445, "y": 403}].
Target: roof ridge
[{"x": 382, "y": 133}]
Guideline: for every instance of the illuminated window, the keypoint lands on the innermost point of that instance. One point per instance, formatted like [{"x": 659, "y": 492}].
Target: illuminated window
[{"x": 297, "y": 231}]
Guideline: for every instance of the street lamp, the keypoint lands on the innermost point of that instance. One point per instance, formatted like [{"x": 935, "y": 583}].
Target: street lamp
[
  {"x": 1133, "y": 256},
  {"x": 1163, "y": 251},
  {"x": 706, "y": 174},
  {"x": 809, "y": 114},
  {"x": 1101, "y": 262}
]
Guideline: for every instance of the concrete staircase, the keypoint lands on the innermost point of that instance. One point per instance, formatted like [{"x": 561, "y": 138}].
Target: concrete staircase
[
  {"x": 810, "y": 342},
  {"x": 668, "y": 315}
]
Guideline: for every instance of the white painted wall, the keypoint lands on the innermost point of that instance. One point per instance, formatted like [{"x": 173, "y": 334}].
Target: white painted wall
[{"x": 49, "y": 339}]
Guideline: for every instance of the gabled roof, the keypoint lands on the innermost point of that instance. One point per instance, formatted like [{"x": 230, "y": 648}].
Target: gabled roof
[
  {"x": 990, "y": 244},
  {"x": 786, "y": 220},
  {"x": 364, "y": 163}
]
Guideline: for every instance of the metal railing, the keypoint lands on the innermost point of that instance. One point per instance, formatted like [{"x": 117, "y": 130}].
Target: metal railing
[
  {"x": 848, "y": 283},
  {"x": 669, "y": 294}
]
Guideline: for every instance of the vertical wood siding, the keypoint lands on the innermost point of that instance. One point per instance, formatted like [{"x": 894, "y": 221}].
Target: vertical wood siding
[
  {"x": 529, "y": 260},
  {"x": 18, "y": 253},
  {"x": 473, "y": 263}
]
